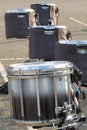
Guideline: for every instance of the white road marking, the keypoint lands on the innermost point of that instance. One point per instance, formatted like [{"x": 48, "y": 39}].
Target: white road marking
[
  {"x": 78, "y": 21},
  {"x": 3, "y": 72},
  {"x": 9, "y": 59}
]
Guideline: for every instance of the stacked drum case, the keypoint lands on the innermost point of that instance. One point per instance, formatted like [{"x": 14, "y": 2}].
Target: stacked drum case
[
  {"x": 82, "y": 62},
  {"x": 17, "y": 22},
  {"x": 76, "y": 52},
  {"x": 46, "y": 13},
  {"x": 42, "y": 41},
  {"x": 66, "y": 52}
]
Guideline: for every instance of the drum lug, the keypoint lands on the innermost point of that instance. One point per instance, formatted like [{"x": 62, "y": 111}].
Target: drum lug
[
  {"x": 58, "y": 110},
  {"x": 65, "y": 108}
]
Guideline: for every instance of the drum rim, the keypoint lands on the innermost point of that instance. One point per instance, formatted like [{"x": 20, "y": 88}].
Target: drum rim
[
  {"x": 45, "y": 4},
  {"x": 38, "y": 68},
  {"x": 35, "y": 123},
  {"x": 41, "y": 65},
  {"x": 50, "y": 26},
  {"x": 20, "y": 11},
  {"x": 79, "y": 43}
]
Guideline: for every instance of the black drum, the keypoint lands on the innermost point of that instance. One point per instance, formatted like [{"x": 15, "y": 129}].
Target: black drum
[
  {"x": 38, "y": 90},
  {"x": 48, "y": 13},
  {"x": 17, "y": 22},
  {"x": 75, "y": 52},
  {"x": 42, "y": 41}
]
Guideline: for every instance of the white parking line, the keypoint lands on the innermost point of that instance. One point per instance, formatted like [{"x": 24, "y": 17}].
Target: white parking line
[
  {"x": 78, "y": 21},
  {"x": 9, "y": 59},
  {"x": 3, "y": 72}
]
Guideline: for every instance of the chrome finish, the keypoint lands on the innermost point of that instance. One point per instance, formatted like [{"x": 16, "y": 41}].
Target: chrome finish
[
  {"x": 56, "y": 97},
  {"x": 21, "y": 98},
  {"x": 51, "y": 67},
  {"x": 43, "y": 82},
  {"x": 38, "y": 98},
  {"x": 10, "y": 96},
  {"x": 35, "y": 123},
  {"x": 69, "y": 88},
  {"x": 82, "y": 51}
]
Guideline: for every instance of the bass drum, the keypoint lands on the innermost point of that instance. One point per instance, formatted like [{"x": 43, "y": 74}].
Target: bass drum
[{"x": 37, "y": 89}]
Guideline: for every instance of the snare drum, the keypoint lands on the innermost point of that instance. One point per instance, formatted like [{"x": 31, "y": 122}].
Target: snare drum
[{"x": 37, "y": 89}]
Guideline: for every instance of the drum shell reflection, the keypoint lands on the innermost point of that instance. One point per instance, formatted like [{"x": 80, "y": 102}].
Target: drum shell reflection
[{"x": 37, "y": 88}]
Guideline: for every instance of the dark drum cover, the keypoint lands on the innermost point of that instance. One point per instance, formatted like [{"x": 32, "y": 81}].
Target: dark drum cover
[
  {"x": 42, "y": 41},
  {"x": 17, "y": 22},
  {"x": 47, "y": 13},
  {"x": 75, "y": 52}
]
